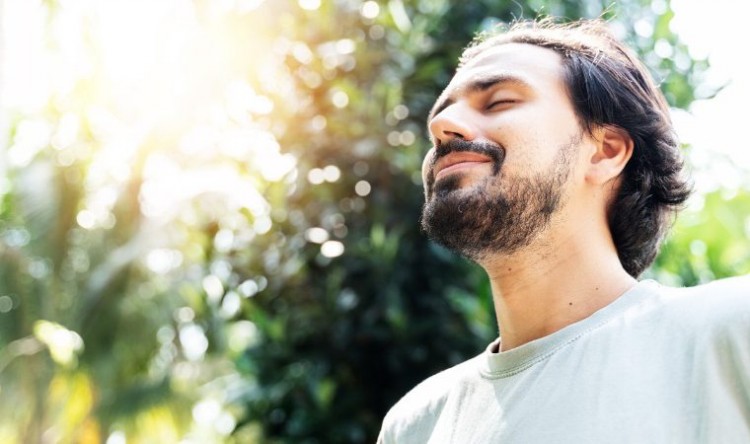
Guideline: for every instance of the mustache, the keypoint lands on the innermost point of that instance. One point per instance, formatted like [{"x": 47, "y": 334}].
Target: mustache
[{"x": 495, "y": 152}]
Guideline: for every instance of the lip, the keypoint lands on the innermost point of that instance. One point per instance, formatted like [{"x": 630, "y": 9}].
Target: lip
[{"x": 458, "y": 160}]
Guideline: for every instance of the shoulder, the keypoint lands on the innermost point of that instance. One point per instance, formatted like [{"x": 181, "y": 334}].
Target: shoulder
[
  {"x": 415, "y": 414},
  {"x": 723, "y": 303},
  {"x": 720, "y": 294},
  {"x": 735, "y": 287}
]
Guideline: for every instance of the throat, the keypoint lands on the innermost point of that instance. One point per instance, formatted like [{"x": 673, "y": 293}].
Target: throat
[{"x": 533, "y": 304}]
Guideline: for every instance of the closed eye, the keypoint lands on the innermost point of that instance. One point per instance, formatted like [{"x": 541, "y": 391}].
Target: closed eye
[{"x": 501, "y": 103}]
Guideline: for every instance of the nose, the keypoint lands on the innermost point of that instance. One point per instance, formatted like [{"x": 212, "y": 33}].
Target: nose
[{"x": 452, "y": 122}]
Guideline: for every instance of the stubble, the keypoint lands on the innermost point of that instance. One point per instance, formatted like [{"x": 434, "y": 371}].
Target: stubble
[{"x": 501, "y": 213}]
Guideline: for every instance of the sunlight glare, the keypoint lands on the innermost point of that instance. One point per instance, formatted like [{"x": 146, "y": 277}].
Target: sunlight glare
[
  {"x": 309, "y": 5},
  {"x": 713, "y": 127},
  {"x": 332, "y": 249},
  {"x": 370, "y": 9}
]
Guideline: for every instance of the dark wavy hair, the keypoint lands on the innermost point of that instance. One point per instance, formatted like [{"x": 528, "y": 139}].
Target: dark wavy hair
[{"x": 609, "y": 86}]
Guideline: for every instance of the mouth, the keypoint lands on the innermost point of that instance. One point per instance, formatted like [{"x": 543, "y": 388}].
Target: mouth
[
  {"x": 458, "y": 161},
  {"x": 460, "y": 155}
]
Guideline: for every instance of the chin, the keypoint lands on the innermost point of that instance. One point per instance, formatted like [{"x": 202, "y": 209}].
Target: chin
[
  {"x": 447, "y": 185},
  {"x": 459, "y": 183}
]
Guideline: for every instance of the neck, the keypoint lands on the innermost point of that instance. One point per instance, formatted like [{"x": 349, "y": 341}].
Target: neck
[{"x": 536, "y": 294}]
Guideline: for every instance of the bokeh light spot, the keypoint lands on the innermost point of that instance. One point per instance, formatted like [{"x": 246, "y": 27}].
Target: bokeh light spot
[
  {"x": 345, "y": 46},
  {"x": 407, "y": 138},
  {"x": 86, "y": 219},
  {"x": 309, "y": 5},
  {"x": 376, "y": 32},
  {"x": 644, "y": 28},
  {"x": 401, "y": 112},
  {"x": 361, "y": 168},
  {"x": 332, "y": 249},
  {"x": 698, "y": 248},
  {"x": 230, "y": 305},
  {"x": 394, "y": 138},
  {"x": 213, "y": 287},
  {"x": 316, "y": 176},
  {"x": 242, "y": 334},
  {"x": 194, "y": 342},
  {"x": 331, "y": 173},
  {"x": 6, "y": 304},
  {"x": 184, "y": 314},
  {"x": 316, "y": 235},
  {"x": 318, "y": 123},
  {"x": 117, "y": 437},
  {"x": 162, "y": 260},
  {"x": 340, "y": 99},
  {"x": 362, "y": 188},
  {"x": 263, "y": 225},
  {"x": 370, "y": 9},
  {"x": 302, "y": 53},
  {"x": 249, "y": 288},
  {"x": 663, "y": 49}
]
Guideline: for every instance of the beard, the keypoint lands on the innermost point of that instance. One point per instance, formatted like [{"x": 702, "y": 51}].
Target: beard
[{"x": 499, "y": 214}]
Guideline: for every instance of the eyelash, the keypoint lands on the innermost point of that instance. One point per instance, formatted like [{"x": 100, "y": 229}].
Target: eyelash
[{"x": 499, "y": 102}]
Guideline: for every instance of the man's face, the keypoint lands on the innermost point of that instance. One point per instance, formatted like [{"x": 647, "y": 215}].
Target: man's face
[{"x": 506, "y": 141}]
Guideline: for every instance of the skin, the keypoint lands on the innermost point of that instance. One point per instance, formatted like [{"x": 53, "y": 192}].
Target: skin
[{"x": 513, "y": 95}]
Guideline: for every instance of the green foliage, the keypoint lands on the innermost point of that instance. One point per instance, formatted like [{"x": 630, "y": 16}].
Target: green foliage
[
  {"x": 273, "y": 279},
  {"x": 710, "y": 241}
]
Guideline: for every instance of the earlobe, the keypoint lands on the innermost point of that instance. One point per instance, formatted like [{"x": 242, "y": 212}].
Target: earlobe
[{"x": 614, "y": 148}]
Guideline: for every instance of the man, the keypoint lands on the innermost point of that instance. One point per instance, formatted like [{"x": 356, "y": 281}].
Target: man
[{"x": 555, "y": 167}]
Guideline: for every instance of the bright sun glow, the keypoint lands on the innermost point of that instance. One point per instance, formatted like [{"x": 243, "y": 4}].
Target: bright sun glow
[
  {"x": 139, "y": 75},
  {"x": 714, "y": 128}
]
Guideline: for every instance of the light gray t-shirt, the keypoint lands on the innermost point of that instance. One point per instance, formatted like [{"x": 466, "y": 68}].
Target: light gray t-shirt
[{"x": 657, "y": 365}]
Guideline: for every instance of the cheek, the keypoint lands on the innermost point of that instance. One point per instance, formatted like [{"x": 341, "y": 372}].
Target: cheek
[
  {"x": 522, "y": 150},
  {"x": 426, "y": 172},
  {"x": 426, "y": 164}
]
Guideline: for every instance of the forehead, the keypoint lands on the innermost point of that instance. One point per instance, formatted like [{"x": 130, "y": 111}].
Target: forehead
[
  {"x": 535, "y": 68},
  {"x": 522, "y": 57}
]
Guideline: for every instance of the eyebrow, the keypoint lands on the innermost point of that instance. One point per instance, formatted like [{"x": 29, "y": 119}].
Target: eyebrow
[{"x": 478, "y": 84}]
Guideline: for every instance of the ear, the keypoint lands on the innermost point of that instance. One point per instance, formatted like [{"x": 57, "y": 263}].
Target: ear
[{"x": 614, "y": 148}]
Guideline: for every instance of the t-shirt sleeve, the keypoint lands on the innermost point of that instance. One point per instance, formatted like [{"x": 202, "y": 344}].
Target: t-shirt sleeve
[{"x": 413, "y": 418}]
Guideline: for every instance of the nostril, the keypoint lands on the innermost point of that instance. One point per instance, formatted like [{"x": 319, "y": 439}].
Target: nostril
[{"x": 447, "y": 135}]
